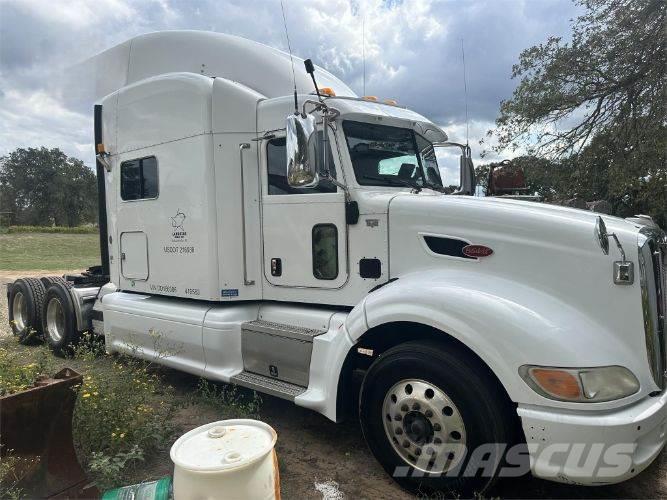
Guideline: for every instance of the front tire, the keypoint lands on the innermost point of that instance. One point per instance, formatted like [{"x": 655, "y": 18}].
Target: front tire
[
  {"x": 425, "y": 409},
  {"x": 25, "y": 306},
  {"x": 58, "y": 318}
]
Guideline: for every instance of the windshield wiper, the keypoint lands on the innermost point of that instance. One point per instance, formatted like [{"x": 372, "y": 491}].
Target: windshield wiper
[{"x": 393, "y": 182}]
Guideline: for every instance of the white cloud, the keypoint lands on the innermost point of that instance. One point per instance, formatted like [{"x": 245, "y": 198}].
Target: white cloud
[{"x": 413, "y": 52}]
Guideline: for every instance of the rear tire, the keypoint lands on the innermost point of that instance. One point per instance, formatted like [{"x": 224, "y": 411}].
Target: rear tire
[
  {"x": 425, "y": 409},
  {"x": 58, "y": 318},
  {"x": 25, "y": 306}
]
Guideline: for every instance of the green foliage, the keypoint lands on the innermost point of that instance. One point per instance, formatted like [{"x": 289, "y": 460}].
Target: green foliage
[
  {"x": 637, "y": 186},
  {"x": 120, "y": 416},
  {"x": 230, "y": 400},
  {"x": 18, "y": 374},
  {"x": 90, "y": 229},
  {"x": 45, "y": 187},
  {"x": 13, "y": 469},
  {"x": 108, "y": 468},
  {"x": 123, "y": 411},
  {"x": 591, "y": 112},
  {"x": 610, "y": 76}
]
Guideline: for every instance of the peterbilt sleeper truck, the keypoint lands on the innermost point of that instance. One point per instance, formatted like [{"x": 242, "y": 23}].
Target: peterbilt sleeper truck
[{"x": 293, "y": 238}]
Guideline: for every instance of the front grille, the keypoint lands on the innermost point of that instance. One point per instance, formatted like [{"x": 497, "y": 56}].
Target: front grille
[{"x": 652, "y": 265}]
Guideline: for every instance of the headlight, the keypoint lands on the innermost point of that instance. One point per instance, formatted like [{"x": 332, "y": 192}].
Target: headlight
[{"x": 582, "y": 385}]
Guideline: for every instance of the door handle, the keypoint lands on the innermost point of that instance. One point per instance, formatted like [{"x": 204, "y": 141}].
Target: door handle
[{"x": 246, "y": 281}]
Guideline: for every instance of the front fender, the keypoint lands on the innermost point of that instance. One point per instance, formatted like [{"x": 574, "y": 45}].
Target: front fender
[{"x": 507, "y": 324}]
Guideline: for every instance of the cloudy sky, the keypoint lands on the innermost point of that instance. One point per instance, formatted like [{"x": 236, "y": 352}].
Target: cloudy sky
[{"x": 413, "y": 52}]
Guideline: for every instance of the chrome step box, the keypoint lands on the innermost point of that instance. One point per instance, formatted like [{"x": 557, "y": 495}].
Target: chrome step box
[
  {"x": 268, "y": 385},
  {"x": 278, "y": 351}
]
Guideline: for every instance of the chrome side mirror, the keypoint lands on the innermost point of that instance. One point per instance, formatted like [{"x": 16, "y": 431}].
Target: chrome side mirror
[
  {"x": 301, "y": 149},
  {"x": 624, "y": 270}
]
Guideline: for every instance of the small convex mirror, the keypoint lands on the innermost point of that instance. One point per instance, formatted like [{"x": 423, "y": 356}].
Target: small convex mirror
[
  {"x": 601, "y": 235},
  {"x": 301, "y": 151}
]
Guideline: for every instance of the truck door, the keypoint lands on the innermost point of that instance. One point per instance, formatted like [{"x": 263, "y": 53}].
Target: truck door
[{"x": 304, "y": 230}]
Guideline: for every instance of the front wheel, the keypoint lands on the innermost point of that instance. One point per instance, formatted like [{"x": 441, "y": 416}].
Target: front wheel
[{"x": 425, "y": 409}]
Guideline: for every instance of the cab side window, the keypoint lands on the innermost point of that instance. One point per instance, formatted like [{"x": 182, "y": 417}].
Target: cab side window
[
  {"x": 276, "y": 160},
  {"x": 138, "y": 179}
]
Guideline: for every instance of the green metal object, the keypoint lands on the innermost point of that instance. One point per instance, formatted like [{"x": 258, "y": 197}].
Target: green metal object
[{"x": 154, "y": 490}]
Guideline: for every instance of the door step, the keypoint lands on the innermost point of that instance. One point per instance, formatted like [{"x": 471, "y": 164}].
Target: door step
[
  {"x": 268, "y": 385},
  {"x": 281, "y": 330}
]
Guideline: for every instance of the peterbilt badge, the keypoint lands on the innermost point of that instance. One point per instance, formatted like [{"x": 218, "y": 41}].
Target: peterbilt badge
[{"x": 477, "y": 251}]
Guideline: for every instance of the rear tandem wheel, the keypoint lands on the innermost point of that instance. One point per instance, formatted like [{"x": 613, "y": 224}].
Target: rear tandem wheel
[{"x": 25, "y": 301}]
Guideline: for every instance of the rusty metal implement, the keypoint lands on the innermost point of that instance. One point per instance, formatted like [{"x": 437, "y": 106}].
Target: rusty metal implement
[{"x": 36, "y": 427}]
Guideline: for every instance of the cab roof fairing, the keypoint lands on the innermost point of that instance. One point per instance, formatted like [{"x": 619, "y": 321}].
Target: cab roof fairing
[{"x": 266, "y": 70}]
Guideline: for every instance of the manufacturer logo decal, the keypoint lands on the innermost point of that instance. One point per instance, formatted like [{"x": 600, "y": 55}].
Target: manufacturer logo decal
[
  {"x": 476, "y": 251},
  {"x": 177, "y": 230}
]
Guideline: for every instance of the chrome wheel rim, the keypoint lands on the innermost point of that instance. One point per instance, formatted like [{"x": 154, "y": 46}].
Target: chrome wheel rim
[
  {"x": 20, "y": 311},
  {"x": 424, "y": 426},
  {"x": 55, "y": 320}
]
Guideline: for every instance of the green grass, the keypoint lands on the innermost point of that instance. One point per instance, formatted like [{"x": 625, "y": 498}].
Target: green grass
[
  {"x": 48, "y": 252},
  {"x": 52, "y": 229}
]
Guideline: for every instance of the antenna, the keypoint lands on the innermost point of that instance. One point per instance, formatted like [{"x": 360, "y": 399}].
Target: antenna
[
  {"x": 289, "y": 47},
  {"x": 465, "y": 90},
  {"x": 363, "y": 48}
]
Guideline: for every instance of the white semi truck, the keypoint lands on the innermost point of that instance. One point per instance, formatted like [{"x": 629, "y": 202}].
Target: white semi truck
[{"x": 305, "y": 246}]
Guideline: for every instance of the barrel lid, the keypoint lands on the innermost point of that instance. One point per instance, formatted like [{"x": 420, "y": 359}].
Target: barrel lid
[{"x": 222, "y": 445}]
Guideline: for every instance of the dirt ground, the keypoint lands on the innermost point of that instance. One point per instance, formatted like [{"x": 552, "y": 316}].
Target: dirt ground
[{"x": 320, "y": 459}]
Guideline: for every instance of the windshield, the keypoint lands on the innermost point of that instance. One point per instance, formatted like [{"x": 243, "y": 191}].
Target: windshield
[{"x": 391, "y": 156}]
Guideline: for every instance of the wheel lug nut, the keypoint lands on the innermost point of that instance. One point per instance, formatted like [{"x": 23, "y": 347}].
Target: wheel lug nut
[
  {"x": 428, "y": 413},
  {"x": 398, "y": 417},
  {"x": 404, "y": 407},
  {"x": 399, "y": 431},
  {"x": 436, "y": 427},
  {"x": 416, "y": 406},
  {"x": 437, "y": 441},
  {"x": 406, "y": 444}
]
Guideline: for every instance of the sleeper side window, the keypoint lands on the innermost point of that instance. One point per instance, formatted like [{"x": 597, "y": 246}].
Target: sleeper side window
[
  {"x": 139, "y": 179},
  {"x": 276, "y": 161}
]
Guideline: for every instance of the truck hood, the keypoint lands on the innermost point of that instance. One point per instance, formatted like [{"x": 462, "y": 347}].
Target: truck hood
[
  {"x": 545, "y": 253},
  {"x": 532, "y": 219},
  {"x": 527, "y": 238}
]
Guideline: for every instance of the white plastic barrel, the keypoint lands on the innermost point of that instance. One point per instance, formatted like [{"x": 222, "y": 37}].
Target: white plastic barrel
[{"x": 229, "y": 459}]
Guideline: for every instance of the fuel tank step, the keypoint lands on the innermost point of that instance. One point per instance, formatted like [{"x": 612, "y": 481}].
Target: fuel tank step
[
  {"x": 281, "y": 330},
  {"x": 268, "y": 385}
]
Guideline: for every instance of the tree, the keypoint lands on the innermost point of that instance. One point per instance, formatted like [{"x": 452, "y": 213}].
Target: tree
[
  {"x": 594, "y": 108},
  {"x": 44, "y": 187},
  {"x": 611, "y": 76}
]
